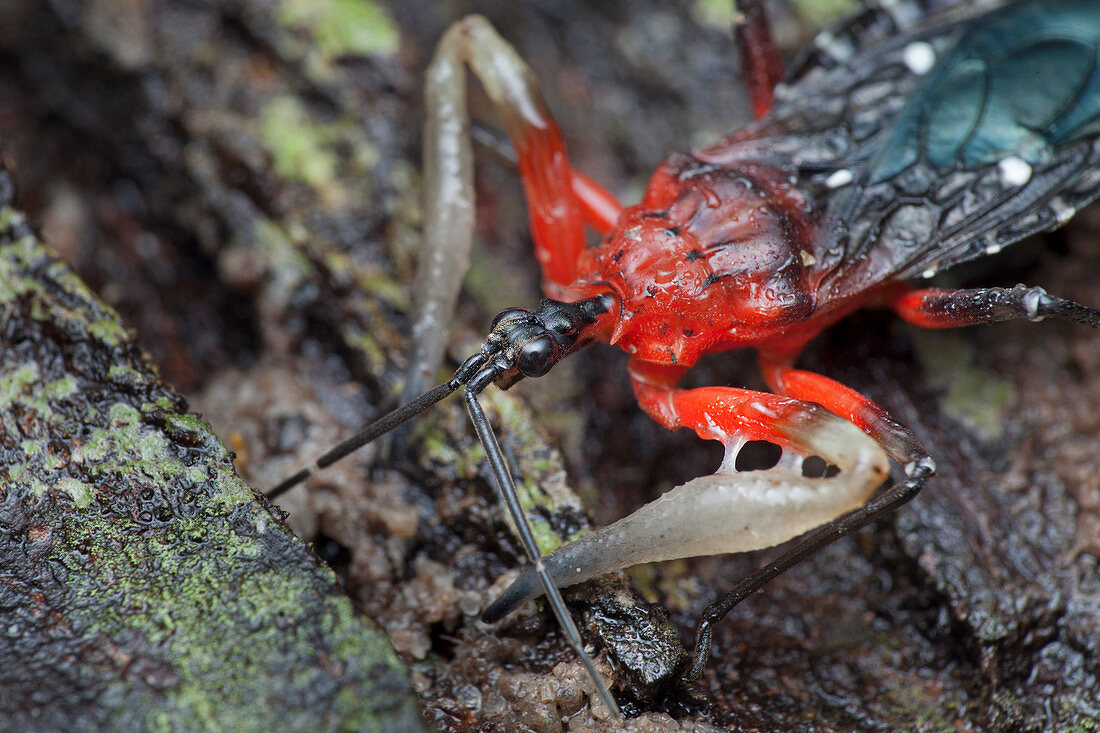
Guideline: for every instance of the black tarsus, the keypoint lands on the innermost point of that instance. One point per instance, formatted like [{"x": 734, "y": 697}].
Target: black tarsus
[
  {"x": 288, "y": 484},
  {"x": 992, "y": 305},
  {"x": 388, "y": 422}
]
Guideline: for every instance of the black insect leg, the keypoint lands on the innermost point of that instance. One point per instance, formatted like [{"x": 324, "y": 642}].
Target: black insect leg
[
  {"x": 935, "y": 308},
  {"x": 376, "y": 429},
  {"x": 510, "y": 499}
]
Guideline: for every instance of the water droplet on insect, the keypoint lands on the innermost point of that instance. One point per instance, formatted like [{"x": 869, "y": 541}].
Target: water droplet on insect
[
  {"x": 920, "y": 57},
  {"x": 1014, "y": 171},
  {"x": 839, "y": 178},
  {"x": 1063, "y": 212}
]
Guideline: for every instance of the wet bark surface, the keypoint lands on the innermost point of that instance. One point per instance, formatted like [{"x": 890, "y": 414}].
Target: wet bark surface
[
  {"x": 239, "y": 180},
  {"x": 143, "y": 585}
]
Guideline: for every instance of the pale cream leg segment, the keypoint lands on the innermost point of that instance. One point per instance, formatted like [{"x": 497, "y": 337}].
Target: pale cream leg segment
[{"x": 449, "y": 209}]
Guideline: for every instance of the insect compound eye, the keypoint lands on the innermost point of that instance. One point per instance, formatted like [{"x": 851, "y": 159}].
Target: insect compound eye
[
  {"x": 537, "y": 356},
  {"x": 508, "y": 315}
]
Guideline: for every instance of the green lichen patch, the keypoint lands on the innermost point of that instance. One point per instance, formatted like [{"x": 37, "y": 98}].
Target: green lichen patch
[
  {"x": 315, "y": 151},
  {"x": 342, "y": 27},
  {"x": 975, "y": 397},
  {"x": 539, "y": 474},
  {"x": 80, "y": 492},
  {"x": 148, "y": 587},
  {"x": 279, "y": 247},
  {"x": 108, "y": 330},
  {"x": 717, "y": 14},
  {"x": 225, "y": 642},
  {"x": 16, "y": 382},
  {"x": 11, "y": 285},
  {"x": 298, "y": 146},
  {"x": 819, "y": 13}
]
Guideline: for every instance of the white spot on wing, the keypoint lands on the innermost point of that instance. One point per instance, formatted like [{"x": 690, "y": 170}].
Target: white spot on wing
[
  {"x": 1063, "y": 212},
  {"x": 1014, "y": 171},
  {"x": 931, "y": 271},
  {"x": 920, "y": 57},
  {"x": 839, "y": 178},
  {"x": 836, "y": 49}
]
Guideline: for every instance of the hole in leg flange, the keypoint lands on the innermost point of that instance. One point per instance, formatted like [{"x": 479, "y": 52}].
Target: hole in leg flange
[
  {"x": 818, "y": 467},
  {"x": 758, "y": 455}
]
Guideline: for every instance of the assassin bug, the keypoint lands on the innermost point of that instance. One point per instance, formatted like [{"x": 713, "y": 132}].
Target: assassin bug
[{"x": 898, "y": 161}]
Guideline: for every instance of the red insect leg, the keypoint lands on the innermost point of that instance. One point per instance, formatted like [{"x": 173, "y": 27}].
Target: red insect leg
[
  {"x": 733, "y": 415},
  {"x": 898, "y": 441},
  {"x": 559, "y": 200},
  {"x": 936, "y": 308},
  {"x": 726, "y": 414},
  {"x": 600, "y": 207},
  {"x": 557, "y": 221},
  {"x": 760, "y": 64}
]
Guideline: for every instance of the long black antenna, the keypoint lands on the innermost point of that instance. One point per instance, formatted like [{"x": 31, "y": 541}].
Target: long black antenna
[
  {"x": 379, "y": 427},
  {"x": 521, "y": 344}
]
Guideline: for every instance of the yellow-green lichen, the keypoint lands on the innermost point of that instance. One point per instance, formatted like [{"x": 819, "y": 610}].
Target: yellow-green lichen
[
  {"x": 59, "y": 388},
  {"x": 108, "y": 330},
  {"x": 168, "y": 558},
  {"x": 128, "y": 442},
  {"x": 299, "y": 145},
  {"x": 369, "y": 279},
  {"x": 12, "y": 283},
  {"x": 716, "y": 14},
  {"x": 15, "y": 385},
  {"x": 974, "y": 397},
  {"x": 279, "y": 247},
  {"x": 9, "y": 217},
  {"x": 342, "y": 27},
  {"x": 80, "y": 492},
  {"x": 367, "y": 345},
  {"x": 317, "y": 151},
  {"x": 819, "y": 13},
  {"x": 385, "y": 289},
  {"x": 436, "y": 448}
]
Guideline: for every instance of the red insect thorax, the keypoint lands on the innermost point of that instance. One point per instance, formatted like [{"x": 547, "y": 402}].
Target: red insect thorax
[{"x": 713, "y": 258}]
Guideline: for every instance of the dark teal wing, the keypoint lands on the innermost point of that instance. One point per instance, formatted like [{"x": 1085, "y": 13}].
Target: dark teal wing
[
  {"x": 999, "y": 141},
  {"x": 924, "y": 144}
]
